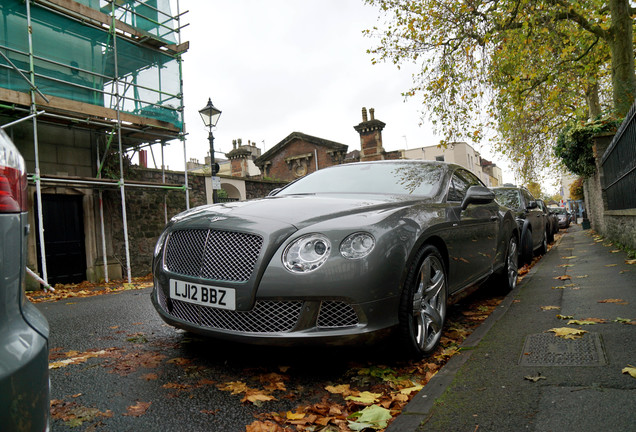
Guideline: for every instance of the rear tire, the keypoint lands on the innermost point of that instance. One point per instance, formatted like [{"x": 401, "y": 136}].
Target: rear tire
[
  {"x": 423, "y": 304},
  {"x": 526, "y": 249},
  {"x": 543, "y": 249},
  {"x": 506, "y": 279}
]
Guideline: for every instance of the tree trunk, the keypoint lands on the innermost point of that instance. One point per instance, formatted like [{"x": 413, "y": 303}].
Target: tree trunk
[
  {"x": 623, "y": 77},
  {"x": 593, "y": 102}
]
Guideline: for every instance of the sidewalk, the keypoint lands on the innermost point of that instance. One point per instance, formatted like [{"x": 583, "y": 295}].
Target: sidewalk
[{"x": 578, "y": 384}]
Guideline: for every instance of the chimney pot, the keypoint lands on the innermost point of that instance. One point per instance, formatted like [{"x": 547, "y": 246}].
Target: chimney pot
[
  {"x": 364, "y": 114},
  {"x": 240, "y": 142},
  {"x": 372, "y": 112}
]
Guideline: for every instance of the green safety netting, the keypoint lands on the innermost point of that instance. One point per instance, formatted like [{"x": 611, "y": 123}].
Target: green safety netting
[{"x": 76, "y": 61}]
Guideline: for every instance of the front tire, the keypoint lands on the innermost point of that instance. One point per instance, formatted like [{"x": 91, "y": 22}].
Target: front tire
[{"x": 423, "y": 304}]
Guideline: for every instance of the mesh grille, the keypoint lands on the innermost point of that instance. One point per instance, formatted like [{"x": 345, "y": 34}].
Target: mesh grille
[
  {"x": 215, "y": 255},
  {"x": 336, "y": 314},
  {"x": 265, "y": 317}
]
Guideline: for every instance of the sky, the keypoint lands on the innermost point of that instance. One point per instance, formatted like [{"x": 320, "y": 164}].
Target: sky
[{"x": 281, "y": 66}]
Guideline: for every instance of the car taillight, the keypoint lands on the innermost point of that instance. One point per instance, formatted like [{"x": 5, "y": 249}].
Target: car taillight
[{"x": 13, "y": 178}]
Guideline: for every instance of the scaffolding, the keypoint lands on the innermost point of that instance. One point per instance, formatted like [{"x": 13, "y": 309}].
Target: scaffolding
[{"x": 113, "y": 67}]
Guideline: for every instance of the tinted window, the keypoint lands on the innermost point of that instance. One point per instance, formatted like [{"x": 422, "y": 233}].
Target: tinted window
[
  {"x": 460, "y": 183},
  {"x": 508, "y": 197},
  {"x": 384, "y": 178}
]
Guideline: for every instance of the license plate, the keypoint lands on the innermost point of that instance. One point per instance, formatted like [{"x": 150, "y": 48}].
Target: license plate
[{"x": 204, "y": 295}]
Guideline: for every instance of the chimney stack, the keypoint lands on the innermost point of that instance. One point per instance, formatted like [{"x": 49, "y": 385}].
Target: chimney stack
[{"x": 370, "y": 137}]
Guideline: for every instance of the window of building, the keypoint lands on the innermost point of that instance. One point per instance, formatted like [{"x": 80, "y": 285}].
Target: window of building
[{"x": 439, "y": 158}]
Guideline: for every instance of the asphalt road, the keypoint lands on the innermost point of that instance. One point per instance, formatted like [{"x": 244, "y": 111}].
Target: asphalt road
[{"x": 140, "y": 360}]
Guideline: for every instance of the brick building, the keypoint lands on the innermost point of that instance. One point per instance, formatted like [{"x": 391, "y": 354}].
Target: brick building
[{"x": 299, "y": 154}]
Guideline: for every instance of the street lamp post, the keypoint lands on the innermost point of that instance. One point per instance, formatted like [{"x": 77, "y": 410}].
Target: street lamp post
[{"x": 210, "y": 115}]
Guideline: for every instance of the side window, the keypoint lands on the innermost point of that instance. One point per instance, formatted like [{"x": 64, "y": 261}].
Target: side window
[
  {"x": 527, "y": 197},
  {"x": 471, "y": 178},
  {"x": 459, "y": 186}
]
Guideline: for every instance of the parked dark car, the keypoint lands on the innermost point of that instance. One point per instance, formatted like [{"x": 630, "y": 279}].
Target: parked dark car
[
  {"x": 552, "y": 222},
  {"x": 24, "y": 366},
  {"x": 563, "y": 217},
  {"x": 346, "y": 253},
  {"x": 530, "y": 218}
]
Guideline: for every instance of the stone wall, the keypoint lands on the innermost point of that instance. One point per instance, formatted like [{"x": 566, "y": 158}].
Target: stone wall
[
  {"x": 145, "y": 212},
  {"x": 617, "y": 225},
  {"x": 145, "y": 215}
]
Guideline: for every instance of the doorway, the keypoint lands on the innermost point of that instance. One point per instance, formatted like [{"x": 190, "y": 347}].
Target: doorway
[{"x": 63, "y": 238}]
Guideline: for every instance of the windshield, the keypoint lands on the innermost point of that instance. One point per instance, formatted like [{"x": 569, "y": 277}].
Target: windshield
[
  {"x": 508, "y": 197},
  {"x": 422, "y": 179},
  {"x": 559, "y": 210}
]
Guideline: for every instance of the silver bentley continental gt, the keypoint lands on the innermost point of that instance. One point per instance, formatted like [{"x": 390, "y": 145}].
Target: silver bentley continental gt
[{"x": 347, "y": 253}]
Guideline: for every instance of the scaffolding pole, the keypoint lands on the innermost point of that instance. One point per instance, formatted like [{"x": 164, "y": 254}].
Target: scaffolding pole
[
  {"x": 38, "y": 188},
  {"x": 121, "y": 153}
]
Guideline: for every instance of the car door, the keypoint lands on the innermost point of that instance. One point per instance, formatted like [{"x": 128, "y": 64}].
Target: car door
[{"x": 474, "y": 233}]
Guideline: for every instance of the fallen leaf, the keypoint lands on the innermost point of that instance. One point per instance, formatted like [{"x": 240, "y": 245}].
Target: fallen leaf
[
  {"x": 138, "y": 409},
  {"x": 569, "y": 257},
  {"x": 566, "y": 265},
  {"x": 295, "y": 416},
  {"x": 630, "y": 261},
  {"x": 236, "y": 387},
  {"x": 581, "y": 277},
  {"x": 611, "y": 265},
  {"x": 545, "y": 308},
  {"x": 564, "y": 277},
  {"x": 266, "y": 426},
  {"x": 373, "y": 417},
  {"x": 564, "y": 317},
  {"x": 255, "y": 396},
  {"x": 409, "y": 390},
  {"x": 342, "y": 389},
  {"x": 365, "y": 397},
  {"x": 534, "y": 378},
  {"x": 586, "y": 322},
  {"x": 617, "y": 301},
  {"x": 568, "y": 333},
  {"x": 615, "y": 251},
  {"x": 631, "y": 370},
  {"x": 625, "y": 321}
]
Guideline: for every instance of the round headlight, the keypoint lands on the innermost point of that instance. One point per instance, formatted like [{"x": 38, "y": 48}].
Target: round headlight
[
  {"x": 306, "y": 253},
  {"x": 357, "y": 245}
]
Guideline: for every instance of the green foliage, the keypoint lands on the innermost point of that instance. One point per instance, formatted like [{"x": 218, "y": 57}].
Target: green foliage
[
  {"x": 574, "y": 144},
  {"x": 576, "y": 189},
  {"x": 521, "y": 68}
]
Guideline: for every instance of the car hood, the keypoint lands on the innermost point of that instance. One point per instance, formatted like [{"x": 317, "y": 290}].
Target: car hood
[{"x": 296, "y": 211}]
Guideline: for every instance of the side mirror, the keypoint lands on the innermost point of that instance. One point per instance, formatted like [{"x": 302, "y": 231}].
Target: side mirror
[
  {"x": 478, "y": 195},
  {"x": 532, "y": 205}
]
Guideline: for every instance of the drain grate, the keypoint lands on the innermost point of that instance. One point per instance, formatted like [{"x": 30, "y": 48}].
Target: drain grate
[{"x": 545, "y": 349}]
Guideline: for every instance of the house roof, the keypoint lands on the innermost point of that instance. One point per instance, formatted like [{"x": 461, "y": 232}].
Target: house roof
[{"x": 269, "y": 154}]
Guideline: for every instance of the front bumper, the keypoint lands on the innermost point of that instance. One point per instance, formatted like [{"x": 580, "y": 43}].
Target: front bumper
[{"x": 284, "y": 322}]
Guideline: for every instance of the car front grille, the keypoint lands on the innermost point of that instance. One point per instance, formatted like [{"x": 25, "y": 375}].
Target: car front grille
[
  {"x": 212, "y": 254},
  {"x": 265, "y": 317},
  {"x": 336, "y": 314}
]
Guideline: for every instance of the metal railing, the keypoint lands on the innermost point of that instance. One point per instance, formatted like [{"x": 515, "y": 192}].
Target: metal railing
[{"x": 619, "y": 166}]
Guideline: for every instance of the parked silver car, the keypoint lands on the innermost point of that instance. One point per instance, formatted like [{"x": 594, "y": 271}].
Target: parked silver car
[
  {"x": 347, "y": 252},
  {"x": 24, "y": 367}
]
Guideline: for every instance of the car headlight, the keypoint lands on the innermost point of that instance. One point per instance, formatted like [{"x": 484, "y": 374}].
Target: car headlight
[
  {"x": 306, "y": 253},
  {"x": 357, "y": 245},
  {"x": 160, "y": 241}
]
